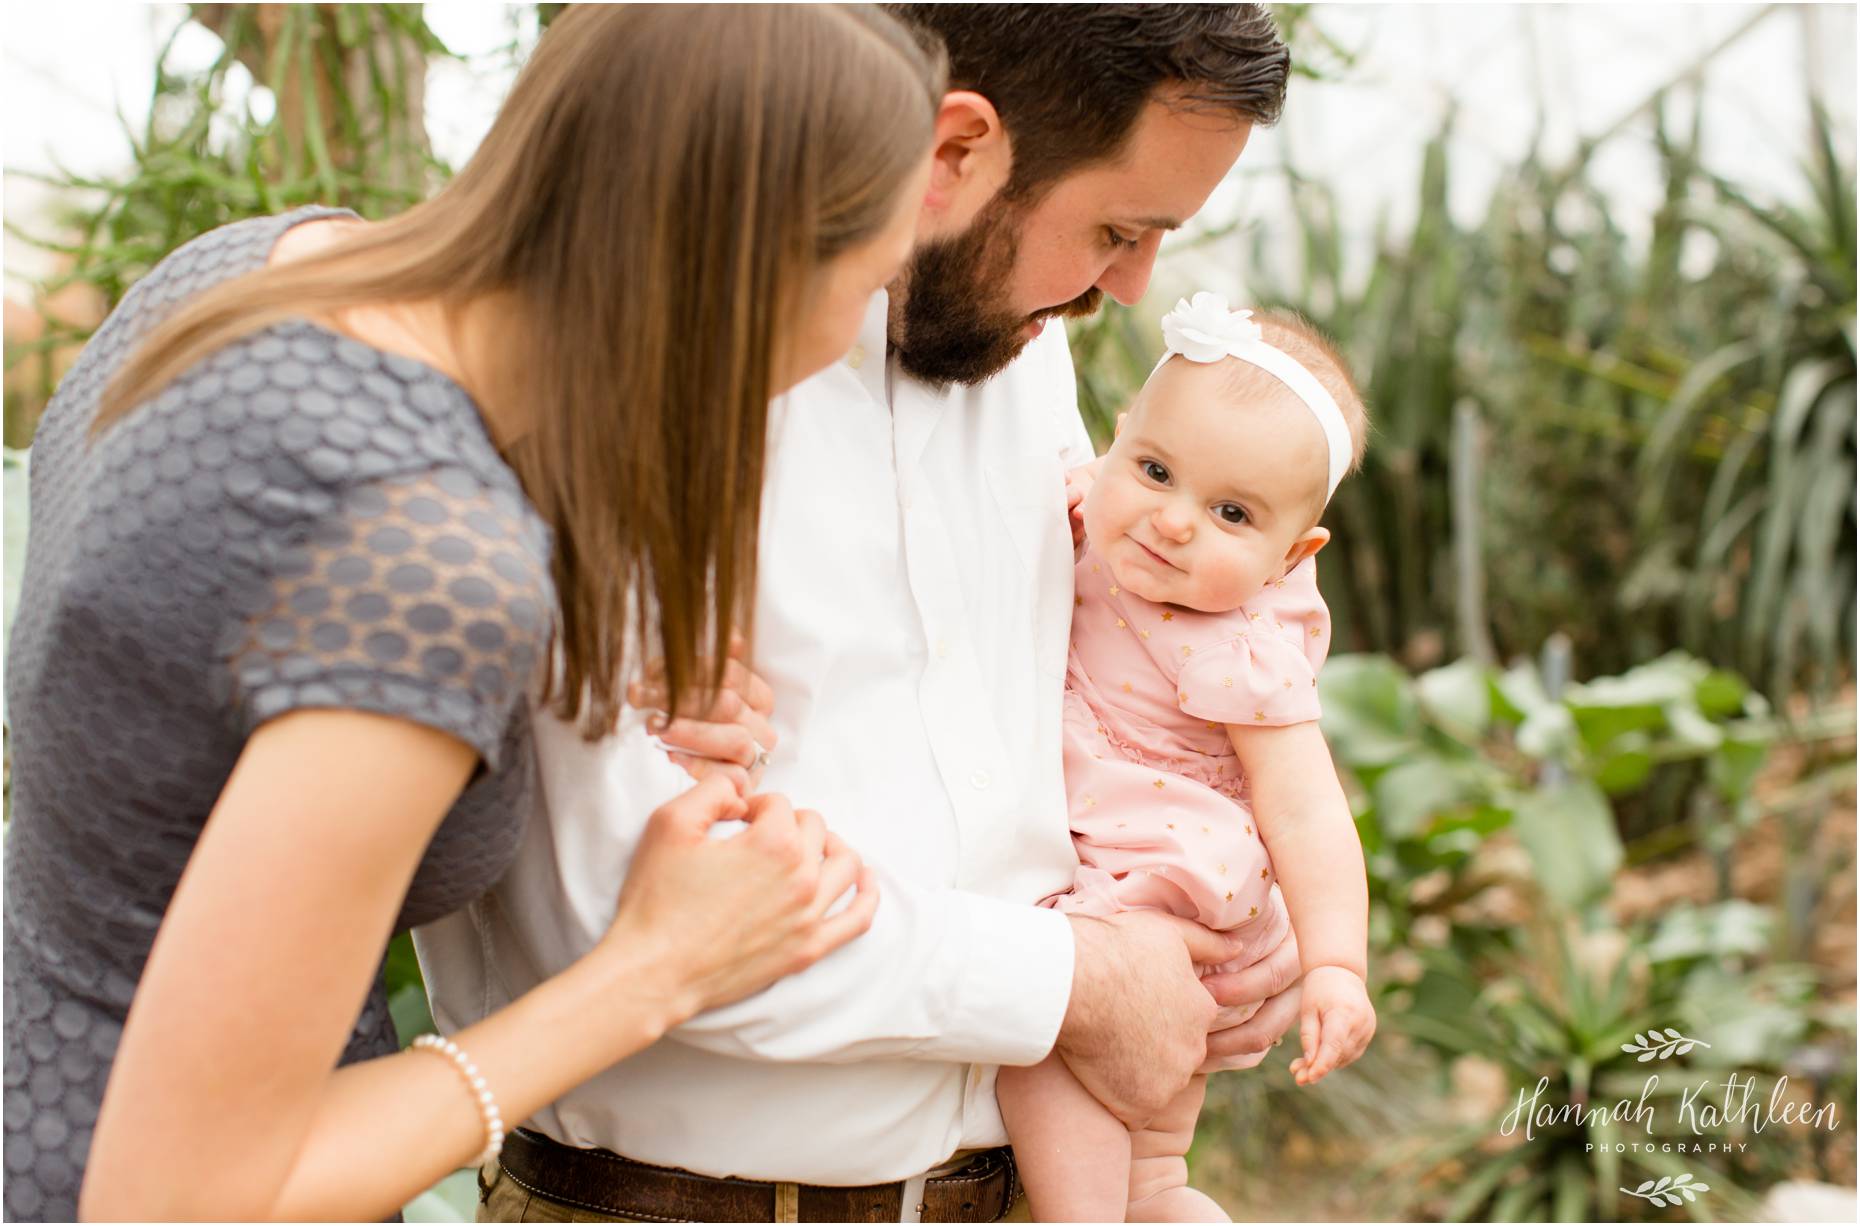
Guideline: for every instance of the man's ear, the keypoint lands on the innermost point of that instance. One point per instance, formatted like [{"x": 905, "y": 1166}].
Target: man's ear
[
  {"x": 1306, "y": 546},
  {"x": 970, "y": 163}
]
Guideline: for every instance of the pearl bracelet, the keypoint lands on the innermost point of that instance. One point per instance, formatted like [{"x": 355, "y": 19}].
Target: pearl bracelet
[{"x": 487, "y": 1104}]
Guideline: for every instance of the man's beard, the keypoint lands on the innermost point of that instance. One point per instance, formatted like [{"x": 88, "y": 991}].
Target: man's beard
[{"x": 951, "y": 323}]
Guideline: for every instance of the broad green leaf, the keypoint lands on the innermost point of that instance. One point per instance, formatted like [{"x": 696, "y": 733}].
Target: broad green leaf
[
  {"x": 1408, "y": 796},
  {"x": 1458, "y": 696},
  {"x": 1370, "y": 716},
  {"x": 1570, "y": 832}
]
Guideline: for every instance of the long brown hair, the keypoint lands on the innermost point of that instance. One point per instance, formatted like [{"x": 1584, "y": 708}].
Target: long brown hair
[{"x": 656, "y": 194}]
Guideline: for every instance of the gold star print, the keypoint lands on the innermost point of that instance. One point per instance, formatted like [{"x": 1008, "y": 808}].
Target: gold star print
[
  {"x": 1100, "y": 727},
  {"x": 1078, "y": 602},
  {"x": 1264, "y": 874},
  {"x": 1121, "y": 825},
  {"x": 1228, "y": 682},
  {"x": 1259, "y": 715},
  {"x": 1251, "y": 911},
  {"x": 1204, "y": 830},
  {"x": 1127, "y": 687},
  {"x": 1249, "y": 830},
  {"x": 1144, "y": 633},
  {"x": 1288, "y": 683},
  {"x": 1221, "y": 869},
  {"x": 1315, "y": 631},
  {"x": 1090, "y": 801},
  {"x": 1094, "y": 568},
  {"x": 1280, "y": 583},
  {"x": 1253, "y": 616},
  {"x": 1157, "y": 785},
  {"x": 1114, "y": 589},
  {"x": 1168, "y": 615},
  {"x": 1187, "y": 650},
  {"x": 1212, "y": 724},
  {"x": 1230, "y": 896},
  {"x": 1170, "y": 825},
  {"x": 1120, "y": 623},
  {"x": 1276, "y": 625},
  {"x": 1184, "y": 695}
]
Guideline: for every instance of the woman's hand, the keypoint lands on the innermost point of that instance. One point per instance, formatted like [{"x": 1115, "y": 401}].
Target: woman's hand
[
  {"x": 1336, "y": 1024},
  {"x": 726, "y": 917},
  {"x": 731, "y": 739}
]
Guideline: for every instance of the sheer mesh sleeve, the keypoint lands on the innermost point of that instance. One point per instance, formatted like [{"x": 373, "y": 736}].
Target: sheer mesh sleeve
[{"x": 422, "y": 597}]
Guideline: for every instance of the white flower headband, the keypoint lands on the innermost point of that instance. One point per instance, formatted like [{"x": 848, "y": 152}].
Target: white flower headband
[{"x": 1203, "y": 329}]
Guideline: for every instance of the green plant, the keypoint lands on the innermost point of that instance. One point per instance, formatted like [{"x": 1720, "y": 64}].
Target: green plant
[
  {"x": 306, "y": 103},
  {"x": 1487, "y": 810}
]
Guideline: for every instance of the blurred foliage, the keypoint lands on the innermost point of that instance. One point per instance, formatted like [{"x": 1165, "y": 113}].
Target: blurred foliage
[
  {"x": 1488, "y": 811},
  {"x": 305, "y": 103},
  {"x": 1669, "y": 450}
]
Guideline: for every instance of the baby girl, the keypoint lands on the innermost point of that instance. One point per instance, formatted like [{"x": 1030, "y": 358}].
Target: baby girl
[{"x": 1197, "y": 778}]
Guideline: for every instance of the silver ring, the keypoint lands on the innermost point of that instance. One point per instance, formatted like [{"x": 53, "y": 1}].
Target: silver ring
[{"x": 762, "y": 756}]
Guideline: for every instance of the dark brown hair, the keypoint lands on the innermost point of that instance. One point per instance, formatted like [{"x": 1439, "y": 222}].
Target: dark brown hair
[
  {"x": 1069, "y": 80},
  {"x": 656, "y": 195}
]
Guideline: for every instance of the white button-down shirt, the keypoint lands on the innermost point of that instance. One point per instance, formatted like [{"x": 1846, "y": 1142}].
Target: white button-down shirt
[{"x": 914, "y": 601}]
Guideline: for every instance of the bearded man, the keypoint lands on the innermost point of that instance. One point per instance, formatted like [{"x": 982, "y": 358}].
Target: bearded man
[{"x": 913, "y": 607}]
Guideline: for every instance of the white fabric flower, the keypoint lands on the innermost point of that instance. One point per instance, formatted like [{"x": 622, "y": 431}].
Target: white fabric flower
[{"x": 1203, "y": 329}]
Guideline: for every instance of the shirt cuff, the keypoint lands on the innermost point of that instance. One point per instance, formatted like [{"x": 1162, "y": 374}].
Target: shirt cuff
[{"x": 1018, "y": 981}]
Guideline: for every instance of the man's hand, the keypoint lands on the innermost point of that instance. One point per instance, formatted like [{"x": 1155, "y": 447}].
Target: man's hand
[
  {"x": 1274, "y": 981},
  {"x": 1137, "y": 1025},
  {"x": 729, "y": 738},
  {"x": 1078, "y": 484}
]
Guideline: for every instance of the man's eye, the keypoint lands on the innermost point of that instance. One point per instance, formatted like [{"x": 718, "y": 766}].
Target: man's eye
[
  {"x": 1114, "y": 239},
  {"x": 1231, "y": 513},
  {"x": 1155, "y": 472}
]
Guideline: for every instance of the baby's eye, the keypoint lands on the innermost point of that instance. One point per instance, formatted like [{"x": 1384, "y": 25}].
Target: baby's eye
[
  {"x": 1231, "y": 513},
  {"x": 1154, "y": 471}
]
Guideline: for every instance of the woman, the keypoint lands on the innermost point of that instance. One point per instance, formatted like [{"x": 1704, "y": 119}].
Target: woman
[{"x": 308, "y": 513}]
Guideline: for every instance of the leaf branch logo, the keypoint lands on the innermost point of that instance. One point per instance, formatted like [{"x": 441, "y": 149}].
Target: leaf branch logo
[
  {"x": 1668, "y": 1190},
  {"x": 1659, "y": 1044}
]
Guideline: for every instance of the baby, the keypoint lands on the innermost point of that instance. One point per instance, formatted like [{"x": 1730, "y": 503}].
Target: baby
[{"x": 1197, "y": 779}]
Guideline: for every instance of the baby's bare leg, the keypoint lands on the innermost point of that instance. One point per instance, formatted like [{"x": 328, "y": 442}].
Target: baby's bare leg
[
  {"x": 1073, "y": 1155},
  {"x": 1159, "y": 1190}
]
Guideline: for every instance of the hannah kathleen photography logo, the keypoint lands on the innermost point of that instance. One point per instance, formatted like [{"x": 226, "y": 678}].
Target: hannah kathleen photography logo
[{"x": 1704, "y": 1117}]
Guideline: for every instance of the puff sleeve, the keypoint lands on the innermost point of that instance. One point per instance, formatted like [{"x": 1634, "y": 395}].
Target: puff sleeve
[{"x": 1265, "y": 675}]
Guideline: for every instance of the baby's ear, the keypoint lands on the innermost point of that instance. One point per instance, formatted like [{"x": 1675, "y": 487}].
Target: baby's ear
[
  {"x": 1118, "y": 428},
  {"x": 1306, "y": 546}
]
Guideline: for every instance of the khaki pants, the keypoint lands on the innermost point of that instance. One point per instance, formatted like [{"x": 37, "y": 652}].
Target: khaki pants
[{"x": 502, "y": 1199}]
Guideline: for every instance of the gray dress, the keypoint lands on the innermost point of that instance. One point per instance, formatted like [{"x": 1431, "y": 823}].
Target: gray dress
[{"x": 299, "y": 520}]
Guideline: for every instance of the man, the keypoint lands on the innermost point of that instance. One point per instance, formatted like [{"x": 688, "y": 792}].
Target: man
[{"x": 912, "y": 618}]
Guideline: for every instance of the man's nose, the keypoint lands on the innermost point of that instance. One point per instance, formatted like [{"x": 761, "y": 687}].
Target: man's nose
[{"x": 1128, "y": 275}]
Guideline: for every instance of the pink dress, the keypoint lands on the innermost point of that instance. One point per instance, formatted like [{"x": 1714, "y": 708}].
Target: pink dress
[{"x": 1157, "y": 802}]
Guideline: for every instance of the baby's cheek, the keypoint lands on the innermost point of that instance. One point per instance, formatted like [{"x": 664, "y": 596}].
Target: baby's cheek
[{"x": 1223, "y": 584}]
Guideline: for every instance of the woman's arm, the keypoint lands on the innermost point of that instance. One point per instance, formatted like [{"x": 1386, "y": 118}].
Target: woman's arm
[
  {"x": 224, "y": 1100},
  {"x": 1305, "y": 820}
]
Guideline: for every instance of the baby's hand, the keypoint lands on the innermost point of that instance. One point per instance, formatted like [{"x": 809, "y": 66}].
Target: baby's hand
[
  {"x": 1336, "y": 1025},
  {"x": 1078, "y": 484}
]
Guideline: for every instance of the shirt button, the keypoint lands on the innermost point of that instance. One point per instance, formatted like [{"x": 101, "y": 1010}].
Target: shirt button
[
  {"x": 856, "y": 357},
  {"x": 979, "y": 780}
]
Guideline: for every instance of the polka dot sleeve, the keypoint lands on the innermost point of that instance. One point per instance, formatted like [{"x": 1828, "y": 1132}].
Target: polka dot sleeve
[
  {"x": 333, "y": 527},
  {"x": 417, "y": 597}
]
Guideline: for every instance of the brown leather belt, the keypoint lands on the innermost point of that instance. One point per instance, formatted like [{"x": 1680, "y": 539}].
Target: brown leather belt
[{"x": 982, "y": 1191}]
